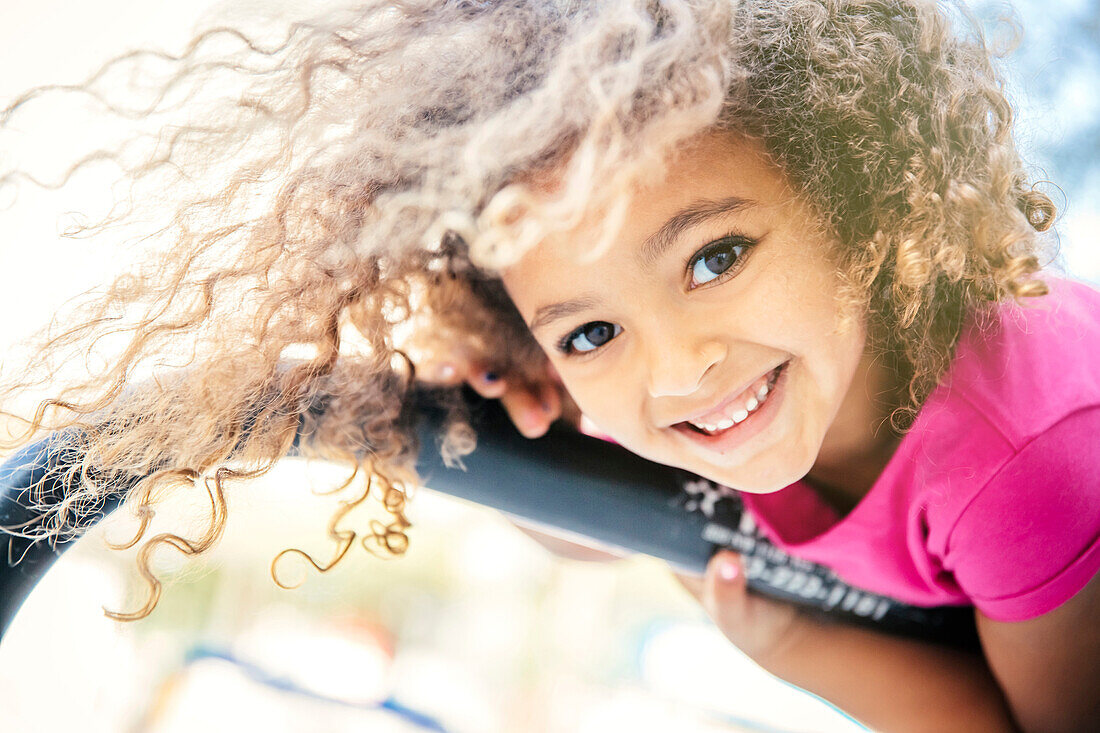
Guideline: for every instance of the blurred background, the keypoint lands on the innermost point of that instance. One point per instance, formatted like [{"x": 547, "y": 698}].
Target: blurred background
[{"x": 477, "y": 628}]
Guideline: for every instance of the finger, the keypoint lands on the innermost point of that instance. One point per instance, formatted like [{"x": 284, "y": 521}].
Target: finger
[
  {"x": 487, "y": 382},
  {"x": 526, "y": 412},
  {"x": 724, "y": 588},
  {"x": 550, "y": 399},
  {"x": 444, "y": 373},
  {"x": 552, "y": 373},
  {"x": 570, "y": 413},
  {"x": 693, "y": 584}
]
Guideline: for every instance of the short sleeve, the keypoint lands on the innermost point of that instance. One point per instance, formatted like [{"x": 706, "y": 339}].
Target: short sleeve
[{"x": 1030, "y": 539}]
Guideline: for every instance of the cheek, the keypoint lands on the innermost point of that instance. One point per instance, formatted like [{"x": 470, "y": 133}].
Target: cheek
[
  {"x": 596, "y": 400},
  {"x": 809, "y": 315},
  {"x": 843, "y": 336},
  {"x": 608, "y": 401}
]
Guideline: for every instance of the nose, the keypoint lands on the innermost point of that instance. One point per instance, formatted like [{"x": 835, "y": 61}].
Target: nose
[{"x": 678, "y": 363}]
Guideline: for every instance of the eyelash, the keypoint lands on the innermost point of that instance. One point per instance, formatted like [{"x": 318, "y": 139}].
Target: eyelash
[
  {"x": 565, "y": 344},
  {"x": 730, "y": 240}
]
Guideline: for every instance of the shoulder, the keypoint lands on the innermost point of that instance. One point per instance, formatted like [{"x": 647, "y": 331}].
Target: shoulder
[
  {"x": 1024, "y": 367},
  {"x": 1024, "y": 377},
  {"x": 1028, "y": 538},
  {"x": 1010, "y": 454}
]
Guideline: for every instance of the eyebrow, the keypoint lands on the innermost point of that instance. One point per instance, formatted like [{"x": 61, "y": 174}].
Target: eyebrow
[
  {"x": 694, "y": 214},
  {"x": 651, "y": 250},
  {"x": 548, "y": 313}
]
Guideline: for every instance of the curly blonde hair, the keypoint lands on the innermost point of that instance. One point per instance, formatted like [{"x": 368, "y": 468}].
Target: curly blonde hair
[{"x": 372, "y": 172}]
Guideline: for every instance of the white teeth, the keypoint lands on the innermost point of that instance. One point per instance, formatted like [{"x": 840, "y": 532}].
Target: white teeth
[{"x": 737, "y": 416}]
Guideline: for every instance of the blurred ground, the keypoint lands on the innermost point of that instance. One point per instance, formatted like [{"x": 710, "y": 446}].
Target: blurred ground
[{"x": 478, "y": 627}]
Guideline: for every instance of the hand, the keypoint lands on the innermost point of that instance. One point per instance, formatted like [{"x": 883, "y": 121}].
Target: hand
[
  {"x": 533, "y": 402},
  {"x": 760, "y": 627},
  {"x": 533, "y": 399}
]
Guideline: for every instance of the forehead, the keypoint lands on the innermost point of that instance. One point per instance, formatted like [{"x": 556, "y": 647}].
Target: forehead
[{"x": 706, "y": 175}]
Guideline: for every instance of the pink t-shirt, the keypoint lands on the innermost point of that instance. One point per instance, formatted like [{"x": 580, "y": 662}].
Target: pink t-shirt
[{"x": 992, "y": 499}]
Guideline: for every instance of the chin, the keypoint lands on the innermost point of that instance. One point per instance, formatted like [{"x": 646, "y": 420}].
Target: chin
[
  {"x": 763, "y": 480},
  {"x": 752, "y": 486}
]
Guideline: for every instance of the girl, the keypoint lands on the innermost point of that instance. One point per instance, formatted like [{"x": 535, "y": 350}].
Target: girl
[{"x": 787, "y": 245}]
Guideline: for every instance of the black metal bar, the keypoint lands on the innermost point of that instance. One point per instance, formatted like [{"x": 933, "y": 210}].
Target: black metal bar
[{"x": 563, "y": 481}]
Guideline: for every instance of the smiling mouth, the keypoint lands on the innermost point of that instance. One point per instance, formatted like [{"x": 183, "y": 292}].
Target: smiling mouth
[{"x": 738, "y": 410}]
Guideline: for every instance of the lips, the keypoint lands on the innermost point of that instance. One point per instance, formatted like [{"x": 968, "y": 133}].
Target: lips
[
  {"x": 723, "y": 441},
  {"x": 735, "y": 408}
]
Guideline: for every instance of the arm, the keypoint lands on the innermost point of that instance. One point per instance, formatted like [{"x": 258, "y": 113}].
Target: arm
[
  {"x": 892, "y": 684},
  {"x": 1049, "y": 666},
  {"x": 1041, "y": 675},
  {"x": 1026, "y": 550},
  {"x": 1037, "y": 675},
  {"x": 888, "y": 683}
]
